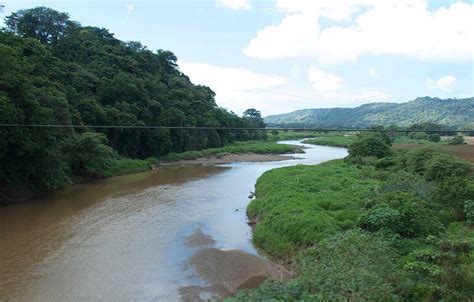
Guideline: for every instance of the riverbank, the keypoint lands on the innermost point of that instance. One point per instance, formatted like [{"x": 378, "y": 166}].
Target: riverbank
[
  {"x": 464, "y": 151},
  {"x": 162, "y": 224},
  {"x": 248, "y": 147},
  {"x": 248, "y": 151},
  {"x": 397, "y": 222},
  {"x": 228, "y": 158}
]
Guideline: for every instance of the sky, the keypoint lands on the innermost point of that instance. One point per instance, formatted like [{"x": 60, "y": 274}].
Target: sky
[{"x": 282, "y": 55}]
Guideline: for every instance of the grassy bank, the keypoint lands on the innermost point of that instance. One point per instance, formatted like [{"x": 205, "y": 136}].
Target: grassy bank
[
  {"x": 301, "y": 205},
  {"x": 388, "y": 228},
  {"x": 122, "y": 166},
  {"x": 332, "y": 140},
  {"x": 281, "y": 135},
  {"x": 258, "y": 147}
]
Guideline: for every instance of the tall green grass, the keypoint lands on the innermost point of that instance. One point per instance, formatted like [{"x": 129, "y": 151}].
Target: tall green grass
[
  {"x": 332, "y": 140},
  {"x": 301, "y": 205},
  {"x": 122, "y": 166}
]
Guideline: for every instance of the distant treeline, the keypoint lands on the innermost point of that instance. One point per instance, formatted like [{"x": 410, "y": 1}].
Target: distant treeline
[
  {"x": 453, "y": 114},
  {"x": 55, "y": 71},
  {"x": 429, "y": 127}
]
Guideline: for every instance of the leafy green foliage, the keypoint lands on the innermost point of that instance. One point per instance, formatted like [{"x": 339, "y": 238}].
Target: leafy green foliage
[
  {"x": 457, "y": 140},
  {"x": 401, "y": 213},
  {"x": 301, "y": 205},
  {"x": 415, "y": 208},
  {"x": 333, "y": 140},
  {"x": 370, "y": 144},
  {"x": 88, "y": 155},
  {"x": 55, "y": 71}
]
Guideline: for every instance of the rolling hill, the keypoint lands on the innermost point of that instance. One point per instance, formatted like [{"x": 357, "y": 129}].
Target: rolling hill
[{"x": 452, "y": 113}]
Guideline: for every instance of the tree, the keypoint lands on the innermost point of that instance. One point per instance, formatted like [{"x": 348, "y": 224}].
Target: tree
[
  {"x": 434, "y": 137},
  {"x": 54, "y": 71},
  {"x": 88, "y": 155},
  {"x": 254, "y": 117},
  {"x": 42, "y": 23},
  {"x": 370, "y": 144}
]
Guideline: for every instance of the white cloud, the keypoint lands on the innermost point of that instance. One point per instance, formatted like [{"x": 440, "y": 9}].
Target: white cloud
[
  {"x": 445, "y": 83},
  {"x": 357, "y": 98},
  {"x": 130, "y": 8},
  {"x": 236, "y": 88},
  {"x": 373, "y": 73},
  {"x": 236, "y": 4},
  {"x": 324, "y": 81},
  {"x": 388, "y": 27}
]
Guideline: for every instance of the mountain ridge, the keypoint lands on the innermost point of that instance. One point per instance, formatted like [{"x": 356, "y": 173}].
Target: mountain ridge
[{"x": 453, "y": 113}]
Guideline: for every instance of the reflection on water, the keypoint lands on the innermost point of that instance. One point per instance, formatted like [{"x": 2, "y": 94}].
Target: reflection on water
[{"x": 121, "y": 239}]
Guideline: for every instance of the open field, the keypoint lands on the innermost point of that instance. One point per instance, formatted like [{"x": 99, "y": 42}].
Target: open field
[{"x": 465, "y": 152}]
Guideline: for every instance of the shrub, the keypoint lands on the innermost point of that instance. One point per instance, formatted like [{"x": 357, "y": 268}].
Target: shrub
[
  {"x": 401, "y": 213},
  {"x": 469, "y": 211},
  {"x": 382, "y": 217},
  {"x": 457, "y": 140},
  {"x": 453, "y": 192},
  {"x": 418, "y": 135},
  {"x": 372, "y": 144},
  {"x": 434, "y": 137},
  {"x": 350, "y": 266},
  {"x": 442, "y": 166}
]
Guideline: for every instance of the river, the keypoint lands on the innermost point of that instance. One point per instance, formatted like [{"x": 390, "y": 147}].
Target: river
[{"x": 127, "y": 238}]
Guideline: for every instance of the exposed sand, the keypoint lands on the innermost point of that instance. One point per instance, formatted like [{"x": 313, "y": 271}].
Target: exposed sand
[
  {"x": 199, "y": 239},
  {"x": 229, "y": 158},
  {"x": 226, "y": 272}
]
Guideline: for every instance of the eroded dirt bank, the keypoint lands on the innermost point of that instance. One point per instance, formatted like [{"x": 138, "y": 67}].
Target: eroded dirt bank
[{"x": 230, "y": 158}]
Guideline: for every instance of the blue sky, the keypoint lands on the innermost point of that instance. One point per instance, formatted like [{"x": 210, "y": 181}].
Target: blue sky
[{"x": 283, "y": 55}]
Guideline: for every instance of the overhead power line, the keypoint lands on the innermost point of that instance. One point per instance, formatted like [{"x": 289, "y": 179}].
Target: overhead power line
[{"x": 225, "y": 128}]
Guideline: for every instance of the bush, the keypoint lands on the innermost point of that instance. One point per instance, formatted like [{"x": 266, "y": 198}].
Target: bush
[
  {"x": 418, "y": 135},
  {"x": 453, "y": 192},
  {"x": 457, "y": 140},
  {"x": 401, "y": 213},
  {"x": 434, "y": 137},
  {"x": 382, "y": 217},
  {"x": 350, "y": 266},
  {"x": 469, "y": 211},
  {"x": 442, "y": 166},
  {"x": 371, "y": 144}
]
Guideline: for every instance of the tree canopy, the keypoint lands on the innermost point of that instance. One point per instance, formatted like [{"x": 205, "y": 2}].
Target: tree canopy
[{"x": 55, "y": 71}]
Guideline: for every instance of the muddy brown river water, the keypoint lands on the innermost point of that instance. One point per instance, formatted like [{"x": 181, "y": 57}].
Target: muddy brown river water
[{"x": 169, "y": 234}]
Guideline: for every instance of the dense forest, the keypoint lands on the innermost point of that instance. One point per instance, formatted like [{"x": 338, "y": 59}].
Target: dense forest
[
  {"x": 55, "y": 71},
  {"x": 454, "y": 114}
]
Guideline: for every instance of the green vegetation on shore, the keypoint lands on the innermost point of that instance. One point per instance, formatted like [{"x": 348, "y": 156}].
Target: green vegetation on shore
[
  {"x": 332, "y": 140},
  {"x": 55, "y": 71},
  {"x": 258, "y": 147},
  {"x": 380, "y": 225},
  {"x": 280, "y": 135}
]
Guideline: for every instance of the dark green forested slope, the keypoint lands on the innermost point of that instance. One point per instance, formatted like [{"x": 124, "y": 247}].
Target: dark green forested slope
[
  {"x": 453, "y": 113},
  {"x": 55, "y": 71}
]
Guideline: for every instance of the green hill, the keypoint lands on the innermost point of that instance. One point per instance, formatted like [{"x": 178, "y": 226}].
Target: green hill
[
  {"x": 55, "y": 71},
  {"x": 452, "y": 113}
]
